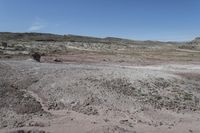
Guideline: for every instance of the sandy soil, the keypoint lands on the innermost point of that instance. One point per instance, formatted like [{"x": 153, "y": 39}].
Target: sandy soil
[{"x": 99, "y": 97}]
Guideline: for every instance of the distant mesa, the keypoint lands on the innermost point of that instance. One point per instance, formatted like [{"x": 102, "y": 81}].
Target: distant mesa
[{"x": 31, "y": 36}]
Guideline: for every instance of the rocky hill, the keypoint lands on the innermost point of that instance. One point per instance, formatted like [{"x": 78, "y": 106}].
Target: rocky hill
[
  {"x": 192, "y": 45},
  {"x": 26, "y": 43},
  {"x": 196, "y": 41},
  {"x": 8, "y": 36}
]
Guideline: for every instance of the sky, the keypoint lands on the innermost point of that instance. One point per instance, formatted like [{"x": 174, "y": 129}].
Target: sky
[{"x": 164, "y": 20}]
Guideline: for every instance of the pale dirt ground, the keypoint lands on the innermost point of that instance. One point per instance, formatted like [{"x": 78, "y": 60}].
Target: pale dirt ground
[
  {"x": 99, "y": 97},
  {"x": 98, "y": 87}
]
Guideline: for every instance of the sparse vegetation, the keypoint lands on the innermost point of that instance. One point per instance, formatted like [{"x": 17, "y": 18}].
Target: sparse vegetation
[
  {"x": 96, "y": 81},
  {"x": 175, "y": 99}
]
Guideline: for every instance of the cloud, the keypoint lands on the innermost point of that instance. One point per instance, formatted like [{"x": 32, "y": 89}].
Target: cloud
[{"x": 37, "y": 25}]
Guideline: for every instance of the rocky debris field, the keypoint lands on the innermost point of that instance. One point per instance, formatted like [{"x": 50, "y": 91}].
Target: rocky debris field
[
  {"x": 76, "y": 84},
  {"x": 58, "y": 97}
]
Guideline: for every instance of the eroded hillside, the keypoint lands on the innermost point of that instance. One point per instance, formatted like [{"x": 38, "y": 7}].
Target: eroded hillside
[{"x": 103, "y": 85}]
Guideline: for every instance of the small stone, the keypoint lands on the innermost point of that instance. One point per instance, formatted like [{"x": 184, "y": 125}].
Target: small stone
[
  {"x": 94, "y": 122},
  {"x": 58, "y": 60},
  {"x": 190, "y": 131},
  {"x": 106, "y": 120}
]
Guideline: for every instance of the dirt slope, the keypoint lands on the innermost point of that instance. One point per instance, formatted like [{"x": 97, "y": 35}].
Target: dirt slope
[{"x": 99, "y": 98}]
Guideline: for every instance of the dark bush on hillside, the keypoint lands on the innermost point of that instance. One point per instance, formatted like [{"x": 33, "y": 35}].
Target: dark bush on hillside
[
  {"x": 36, "y": 56},
  {"x": 4, "y": 44}
]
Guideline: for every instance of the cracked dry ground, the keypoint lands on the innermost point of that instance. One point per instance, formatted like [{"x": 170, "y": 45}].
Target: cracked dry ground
[{"x": 73, "y": 98}]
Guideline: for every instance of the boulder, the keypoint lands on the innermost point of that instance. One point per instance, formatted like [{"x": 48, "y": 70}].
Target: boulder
[{"x": 36, "y": 56}]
